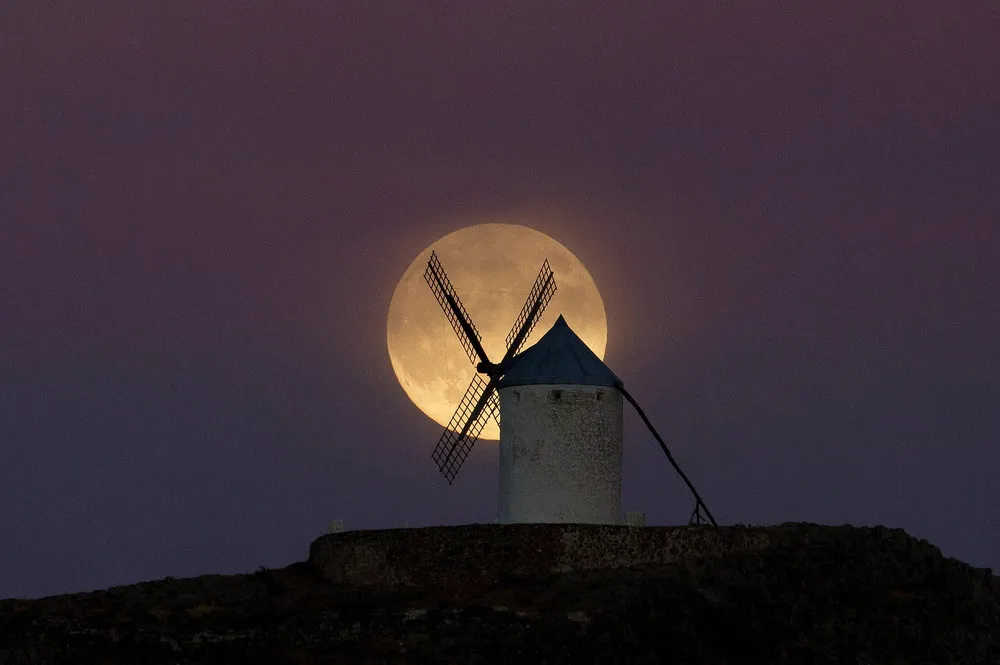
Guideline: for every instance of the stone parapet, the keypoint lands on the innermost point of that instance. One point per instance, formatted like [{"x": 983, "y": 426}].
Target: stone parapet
[{"x": 475, "y": 555}]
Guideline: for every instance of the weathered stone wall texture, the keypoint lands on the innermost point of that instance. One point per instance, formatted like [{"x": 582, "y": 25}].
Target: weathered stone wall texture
[
  {"x": 560, "y": 454},
  {"x": 487, "y": 554}
]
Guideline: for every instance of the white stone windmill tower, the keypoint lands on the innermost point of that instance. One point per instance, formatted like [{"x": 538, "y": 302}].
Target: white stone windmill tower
[
  {"x": 560, "y": 415},
  {"x": 560, "y": 434}
]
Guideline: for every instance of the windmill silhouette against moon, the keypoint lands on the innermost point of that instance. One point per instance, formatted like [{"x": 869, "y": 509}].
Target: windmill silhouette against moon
[
  {"x": 559, "y": 412},
  {"x": 493, "y": 266}
]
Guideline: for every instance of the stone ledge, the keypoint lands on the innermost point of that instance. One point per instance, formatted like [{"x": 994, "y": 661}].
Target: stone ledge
[{"x": 476, "y": 555}]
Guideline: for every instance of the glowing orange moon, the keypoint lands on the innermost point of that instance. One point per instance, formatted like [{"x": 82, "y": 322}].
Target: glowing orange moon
[{"x": 492, "y": 267}]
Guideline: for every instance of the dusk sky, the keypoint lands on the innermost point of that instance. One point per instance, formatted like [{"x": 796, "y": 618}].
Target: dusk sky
[{"x": 792, "y": 213}]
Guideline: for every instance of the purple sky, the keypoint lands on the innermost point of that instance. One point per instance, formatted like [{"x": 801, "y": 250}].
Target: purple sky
[{"x": 792, "y": 214}]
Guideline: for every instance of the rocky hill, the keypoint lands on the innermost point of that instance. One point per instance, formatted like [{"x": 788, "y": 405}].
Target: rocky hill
[{"x": 793, "y": 593}]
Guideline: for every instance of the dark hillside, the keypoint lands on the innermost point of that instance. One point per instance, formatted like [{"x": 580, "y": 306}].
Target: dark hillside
[{"x": 796, "y": 594}]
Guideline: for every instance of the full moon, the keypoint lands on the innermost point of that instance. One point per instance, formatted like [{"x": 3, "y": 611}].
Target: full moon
[{"x": 492, "y": 268}]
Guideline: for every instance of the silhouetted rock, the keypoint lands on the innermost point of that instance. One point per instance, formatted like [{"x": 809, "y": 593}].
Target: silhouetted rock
[{"x": 793, "y": 593}]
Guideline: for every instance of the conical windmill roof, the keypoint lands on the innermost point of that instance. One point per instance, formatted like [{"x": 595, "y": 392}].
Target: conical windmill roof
[{"x": 559, "y": 357}]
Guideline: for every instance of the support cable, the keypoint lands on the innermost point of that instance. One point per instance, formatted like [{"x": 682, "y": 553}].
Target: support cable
[{"x": 642, "y": 414}]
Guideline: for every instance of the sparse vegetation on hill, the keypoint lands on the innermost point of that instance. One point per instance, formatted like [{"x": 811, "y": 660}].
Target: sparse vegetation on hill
[{"x": 812, "y": 595}]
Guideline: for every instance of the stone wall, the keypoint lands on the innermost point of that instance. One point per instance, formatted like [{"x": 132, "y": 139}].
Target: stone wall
[
  {"x": 488, "y": 554},
  {"x": 560, "y": 454}
]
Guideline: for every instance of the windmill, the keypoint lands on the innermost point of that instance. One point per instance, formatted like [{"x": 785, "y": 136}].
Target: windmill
[
  {"x": 480, "y": 402},
  {"x": 561, "y": 442}
]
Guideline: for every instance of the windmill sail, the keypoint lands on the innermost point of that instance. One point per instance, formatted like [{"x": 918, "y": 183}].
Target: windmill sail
[
  {"x": 453, "y": 308},
  {"x": 478, "y": 405},
  {"x": 541, "y": 293}
]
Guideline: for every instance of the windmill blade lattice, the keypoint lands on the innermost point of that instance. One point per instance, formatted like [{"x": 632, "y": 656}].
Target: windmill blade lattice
[
  {"x": 478, "y": 405},
  {"x": 542, "y": 292},
  {"x": 453, "y": 308}
]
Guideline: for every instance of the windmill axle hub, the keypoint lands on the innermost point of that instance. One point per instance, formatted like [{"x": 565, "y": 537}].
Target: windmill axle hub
[{"x": 490, "y": 369}]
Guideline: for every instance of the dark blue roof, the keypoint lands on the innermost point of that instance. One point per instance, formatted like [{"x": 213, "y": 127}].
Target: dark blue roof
[{"x": 559, "y": 357}]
